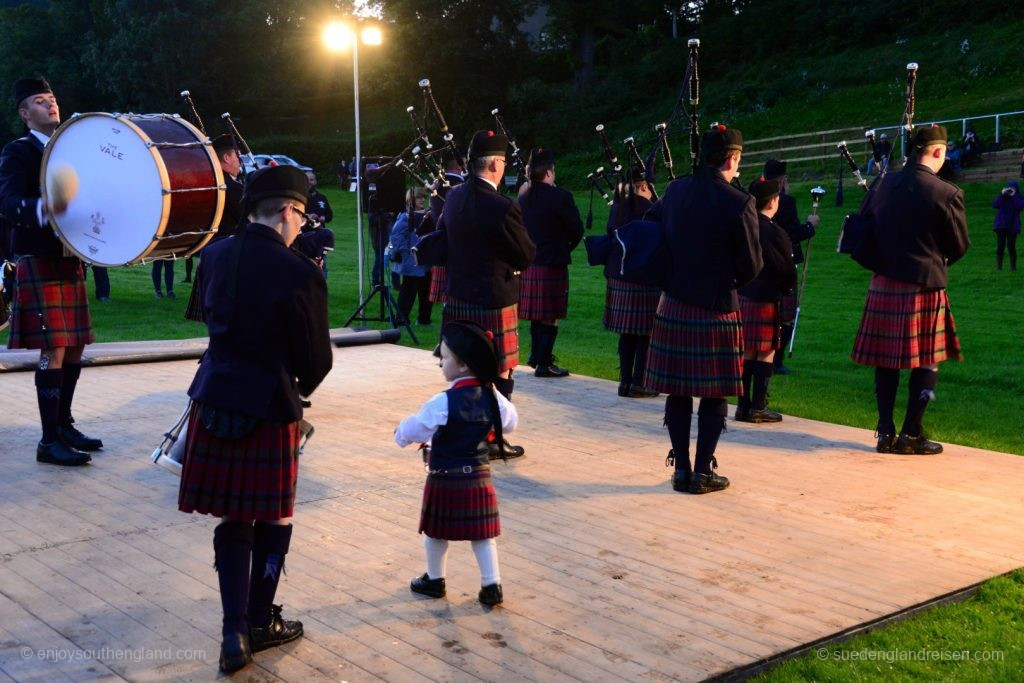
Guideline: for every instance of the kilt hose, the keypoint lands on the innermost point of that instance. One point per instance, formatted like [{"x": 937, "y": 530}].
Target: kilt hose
[
  {"x": 502, "y": 322},
  {"x": 248, "y": 478},
  {"x": 544, "y": 293},
  {"x": 629, "y": 308},
  {"x": 50, "y": 308},
  {"x": 460, "y": 507},
  {"x": 695, "y": 351},
  {"x": 905, "y": 326},
  {"x": 438, "y": 283},
  {"x": 762, "y": 329}
]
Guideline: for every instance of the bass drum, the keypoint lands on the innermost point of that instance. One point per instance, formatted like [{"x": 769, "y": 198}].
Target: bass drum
[{"x": 149, "y": 187}]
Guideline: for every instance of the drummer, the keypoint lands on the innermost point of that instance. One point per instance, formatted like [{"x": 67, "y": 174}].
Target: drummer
[{"x": 51, "y": 309}]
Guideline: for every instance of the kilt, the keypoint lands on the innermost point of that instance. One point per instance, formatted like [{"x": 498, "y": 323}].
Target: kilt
[
  {"x": 438, "y": 283},
  {"x": 248, "y": 478},
  {"x": 629, "y": 308},
  {"x": 460, "y": 507},
  {"x": 787, "y": 309},
  {"x": 503, "y": 322},
  {"x": 544, "y": 293},
  {"x": 905, "y": 326},
  {"x": 761, "y": 327},
  {"x": 694, "y": 351},
  {"x": 50, "y": 307}
]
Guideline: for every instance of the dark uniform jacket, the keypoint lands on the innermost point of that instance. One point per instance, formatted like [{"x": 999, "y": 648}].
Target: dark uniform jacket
[
  {"x": 920, "y": 225},
  {"x": 788, "y": 218},
  {"x": 270, "y": 344},
  {"x": 317, "y": 203},
  {"x": 622, "y": 212},
  {"x": 553, "y": 222},
  {"x": 20, "y": 163},
  {"x": 778, "y": 276},
  {"x": 232, "y": 220},
  {"x": 487, "y": 245},
  {"x": 711, "y": 230}
]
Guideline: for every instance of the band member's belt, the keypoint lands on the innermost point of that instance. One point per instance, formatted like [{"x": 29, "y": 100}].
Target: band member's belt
[{"x": 465, "y": 469}]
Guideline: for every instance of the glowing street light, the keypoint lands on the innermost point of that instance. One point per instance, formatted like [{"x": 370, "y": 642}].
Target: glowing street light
[{"x": 339, "y": 36}]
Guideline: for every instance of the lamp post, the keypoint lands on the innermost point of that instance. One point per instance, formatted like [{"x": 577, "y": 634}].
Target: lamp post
[{"x": 338, "y": 37}]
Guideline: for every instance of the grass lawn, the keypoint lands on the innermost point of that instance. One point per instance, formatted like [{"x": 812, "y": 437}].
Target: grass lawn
[{"x": 977, "y": 404}]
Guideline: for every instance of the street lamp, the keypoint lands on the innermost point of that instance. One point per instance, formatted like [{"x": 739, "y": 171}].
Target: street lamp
[{"x": 339, "y": 37}]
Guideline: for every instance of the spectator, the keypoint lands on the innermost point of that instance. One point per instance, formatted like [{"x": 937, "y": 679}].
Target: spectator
[
  {"x": 1008, "y": 205},
  {"x": 415, "y": 278},
  {"x": 971, "y": 148},
  {"x": 168, "y": 270}
]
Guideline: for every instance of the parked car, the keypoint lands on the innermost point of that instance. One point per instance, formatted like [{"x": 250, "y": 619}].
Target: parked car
[{"x": 264, "y": 160}]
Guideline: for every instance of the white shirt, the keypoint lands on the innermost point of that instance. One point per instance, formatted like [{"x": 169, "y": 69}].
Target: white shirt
[
  {"x": 45, "y": 139},
  {"x": 420, "y": 427}
]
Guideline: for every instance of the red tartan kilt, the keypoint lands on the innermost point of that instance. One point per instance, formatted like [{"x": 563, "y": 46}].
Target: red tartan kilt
[
  {"x": 503, "y": 322},
  {"x": 629, "y": 308},
  {"x": 461, "y": 507},
  {"x": 544, "y": 293},
  {"x": 787, "y": 309},
  {"x": 761, "y": 329},
  {"x": 905, "y": 326},
  {"x": 695, "y": 351},
  {"x": 50, "y": 308},
  {"x": 438, "y": 283},
  {"x": 249, "y": 478}
]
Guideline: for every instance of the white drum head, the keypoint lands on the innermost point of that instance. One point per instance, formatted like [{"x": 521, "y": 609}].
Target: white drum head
[{"x": 121, "y": 204}]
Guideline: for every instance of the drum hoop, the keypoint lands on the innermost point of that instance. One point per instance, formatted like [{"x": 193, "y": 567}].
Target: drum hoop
[{"x": 165, "y": 181}]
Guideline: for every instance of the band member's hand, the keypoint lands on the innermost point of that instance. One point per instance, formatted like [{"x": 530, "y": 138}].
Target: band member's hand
[
  {"x": 61, "y": 188},
  {"x": 814, "y": 219}
]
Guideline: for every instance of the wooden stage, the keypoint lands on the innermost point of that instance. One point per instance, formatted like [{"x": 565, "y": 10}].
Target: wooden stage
[{"x": 608, "y": 574}]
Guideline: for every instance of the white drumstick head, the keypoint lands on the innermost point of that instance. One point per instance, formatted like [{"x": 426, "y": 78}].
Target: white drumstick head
[{"x": 61, "y": 188}]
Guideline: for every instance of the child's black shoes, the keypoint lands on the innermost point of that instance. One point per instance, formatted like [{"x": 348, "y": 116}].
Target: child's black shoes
[{"x": 432, "y": 588}]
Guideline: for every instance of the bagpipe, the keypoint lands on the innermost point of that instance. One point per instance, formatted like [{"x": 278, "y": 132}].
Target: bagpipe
[{"x": 856, "y": 237}]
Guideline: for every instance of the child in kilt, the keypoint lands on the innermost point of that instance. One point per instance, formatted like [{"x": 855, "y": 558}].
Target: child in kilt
[{"x": 459, "y": 503}]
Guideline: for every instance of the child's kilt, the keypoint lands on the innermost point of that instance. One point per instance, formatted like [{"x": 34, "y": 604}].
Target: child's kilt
[
  {"x": 460, "y": 507},
  {"x": 50, "y": 308},
  {"x": 544, "y": 293},
  {"x": 438, "y": 282},
  {"x": 905, "y": 326},
  {"x": 248, "y": 478},
  {"x": 502, "y": 322},
  {"x": 761, "y": 327},
  {"x": 695, "y": 351},
  {"x": 629, "y": 308}
]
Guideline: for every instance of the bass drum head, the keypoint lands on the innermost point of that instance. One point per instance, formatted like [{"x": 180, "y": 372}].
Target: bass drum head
[{"x": 122, "y": 201}]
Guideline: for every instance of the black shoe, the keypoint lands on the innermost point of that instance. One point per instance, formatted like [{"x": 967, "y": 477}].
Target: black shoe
[
  {"x": 742, "y": 410},
  {"x": 57, "y": 453},
  {"x": 886, "y": 443},
  {"x": 277, "y": 633},
  {"x": 491, "y": 595},
  {"x": 758, "y": 415},
  {"x": 917, "y": 445},
  {"x": 550, "y": 371},
  {"x": 706, "y": 483},
  {"x": 640, "y": 392},
  {"x": 235, "y": 653},
  {"x": 781, "y": 370},
  {"x": 624, "y": 390},
  {"x": 531, "y": 361},
  {"x": 71, "y": 437},
  {"x": 424, "y": 585},
  {"x": 159, "y": 294},
  {"x": 681, "y": 480},
  {"x": 494, "y": 453}
]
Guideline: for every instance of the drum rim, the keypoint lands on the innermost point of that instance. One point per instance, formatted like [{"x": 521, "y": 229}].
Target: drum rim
[{"x": 165, "y": 180}]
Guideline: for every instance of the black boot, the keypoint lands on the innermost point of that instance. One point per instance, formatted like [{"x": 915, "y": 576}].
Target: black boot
[
  {"x": 920, "y": 392},
  {"x": 743, "y": 401},
  {"x": 710, "y": 425},
  {"x": 627, "y": 352},
  {"x": 887, "y": 381},
  {"x": 759, "y": 411},
  {"x": 546, "y": 357},
  {"x": 266, "y": 627},
  {"x": 535, "y": 343},
  {"x": 504, "y": 386},
  {"x": 66, "y": 431},
  {"x": 678, "y": 411},
  {"x": 232, "y": 548},
  {"x": 51, "y": 450}
]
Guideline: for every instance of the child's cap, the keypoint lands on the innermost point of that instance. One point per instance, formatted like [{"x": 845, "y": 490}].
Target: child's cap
[{"x": 474, "y": 346}]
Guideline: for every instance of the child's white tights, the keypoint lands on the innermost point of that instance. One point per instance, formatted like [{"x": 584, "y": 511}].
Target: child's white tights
[{"x": 486, "y": 552}]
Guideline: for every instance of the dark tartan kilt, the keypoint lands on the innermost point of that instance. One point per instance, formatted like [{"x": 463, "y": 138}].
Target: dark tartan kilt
[
  {"x": 50, "y": 306},
  {"x": 695, "y": 351},
  {"x": 761, "y": 327},
  {"x": 460, "y": 507},
  {"x": 249, "y": 478},
  {"x": 629, "y": 308},
  {"x": 503, "y": 322},
  {"x": 193, "y": 311},
  {"x": 905, "y": 326},
  {"x": 438, "y": 283},
  {"x": 787, "y": 309},
  {"x": 544, "y": 293}
]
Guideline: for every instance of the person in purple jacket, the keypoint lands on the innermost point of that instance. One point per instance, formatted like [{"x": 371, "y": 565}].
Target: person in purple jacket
[{"x": 1008, "y": 205}]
